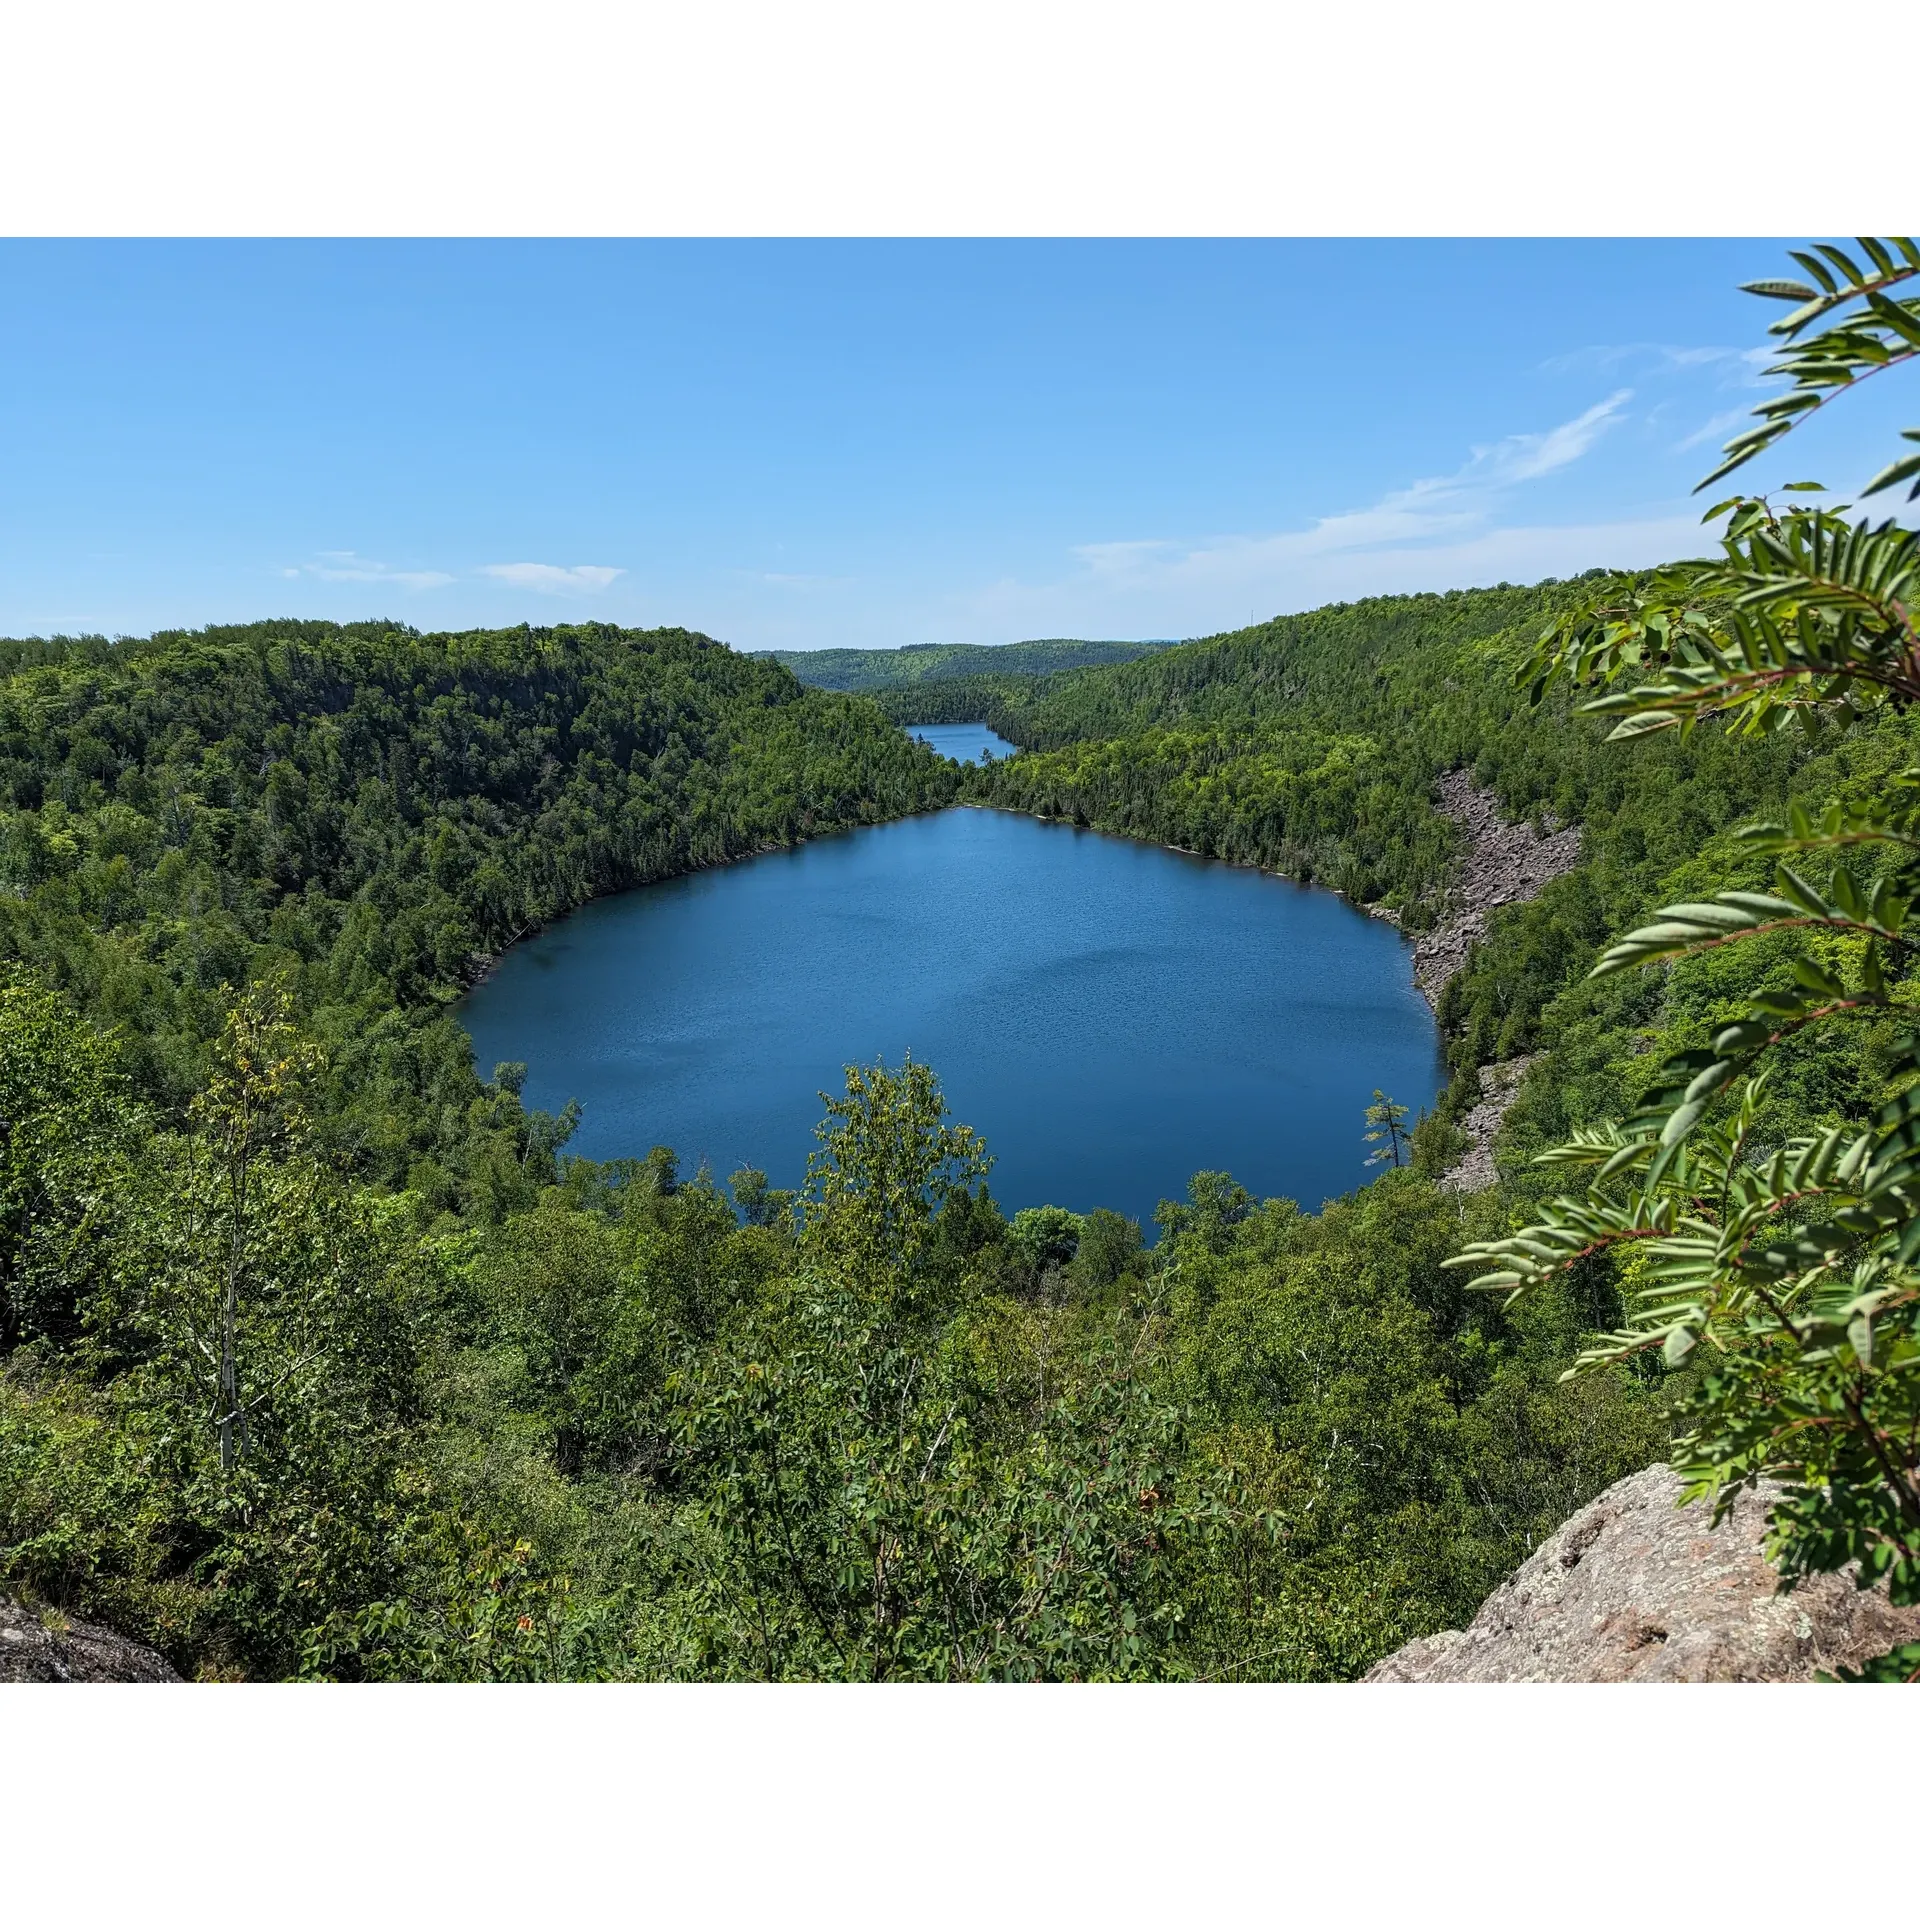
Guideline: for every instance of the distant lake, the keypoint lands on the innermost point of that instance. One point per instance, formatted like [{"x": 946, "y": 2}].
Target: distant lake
[
  {"x": 965, "y": 742},
  {"x": 1111, "y": 1016}
]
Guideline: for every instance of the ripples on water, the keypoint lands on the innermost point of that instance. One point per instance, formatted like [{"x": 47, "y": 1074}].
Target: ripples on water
[{"x": 1110, "y": 1015}]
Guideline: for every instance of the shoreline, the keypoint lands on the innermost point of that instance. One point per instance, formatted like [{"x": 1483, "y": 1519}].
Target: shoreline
[{"x": 1504, "y": 864}]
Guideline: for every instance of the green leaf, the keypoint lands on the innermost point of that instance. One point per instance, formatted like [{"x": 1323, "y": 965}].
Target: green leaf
[
  {"x": 1892, "y": 474},
  {"x": 1826, "y": 280},
  {"x": 1860, "y": 1338},
  {"x": 1680, "y": 1342},
  {"x": 1812, "y": 975},
  {"x": 1804, "y": 899},
  {"x": 1881, "y": 258},
  {"x": 1742, "y": 1037},
  {"x": 1844, "y": 261}
]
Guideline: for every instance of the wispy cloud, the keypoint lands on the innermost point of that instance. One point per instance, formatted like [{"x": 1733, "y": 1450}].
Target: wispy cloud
[
  {"x": 1445, "y": 506},
  {"x": 344, "y": 565},
  {"x": 1228, "y": 583},
  {"x": 1443, "y": 531},
  {"x": 1711, "y": 429},
  {"x": 1646, "y": 359},
  {"x": 1526, "y": 456},
  {"x": 799, "y": 582},
  {"x": 1117, "y": 558},
  {"x": 541, "y": 578}
]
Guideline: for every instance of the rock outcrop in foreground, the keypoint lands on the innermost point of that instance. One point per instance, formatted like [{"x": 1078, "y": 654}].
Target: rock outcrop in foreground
[
  {"x": 1633, "y": 1588},
  {"x": 76, "y": 1650}
]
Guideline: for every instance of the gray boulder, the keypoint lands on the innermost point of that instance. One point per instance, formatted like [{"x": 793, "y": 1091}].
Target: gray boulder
[
  {"x": 31, "y": 1649},
  {"x": 1635, "y": 1588}
]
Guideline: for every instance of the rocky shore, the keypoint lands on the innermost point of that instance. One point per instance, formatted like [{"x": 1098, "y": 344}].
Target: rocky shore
[{"x": 1506, "y": 862}]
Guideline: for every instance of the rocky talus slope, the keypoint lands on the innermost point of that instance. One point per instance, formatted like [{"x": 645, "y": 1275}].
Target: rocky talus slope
[
  {"x": 32, "y": 1649},
  {"x": 1635, "y": 1588},
  {"x": 1505, "y": 862},
  {"x": 1499, "y": 1088}
]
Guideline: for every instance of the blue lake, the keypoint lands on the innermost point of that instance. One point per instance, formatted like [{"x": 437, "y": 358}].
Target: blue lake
[
  {"x": 965, "y": 742},
  {"x": 1111, "y": 1016}
]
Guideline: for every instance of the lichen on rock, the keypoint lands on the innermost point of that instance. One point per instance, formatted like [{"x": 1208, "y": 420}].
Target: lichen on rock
[{"x": 1634, "y": 1587}]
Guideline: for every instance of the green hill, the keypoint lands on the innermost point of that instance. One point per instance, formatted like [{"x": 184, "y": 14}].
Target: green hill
[
  {"x": 862, "y": 670},
  {"x": 369, "y": 812},
  {"x": 510, "y": 1414}
]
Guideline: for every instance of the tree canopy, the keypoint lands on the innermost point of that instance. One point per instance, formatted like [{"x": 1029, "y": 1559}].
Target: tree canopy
[{"x": 321, "y": 1357}]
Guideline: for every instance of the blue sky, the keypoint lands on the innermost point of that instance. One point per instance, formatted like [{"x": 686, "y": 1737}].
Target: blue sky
[{"x": 864, "y": 443}]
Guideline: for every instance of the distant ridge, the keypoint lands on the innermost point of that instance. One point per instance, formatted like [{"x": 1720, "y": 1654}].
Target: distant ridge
[{"x": 873, "y": 670}]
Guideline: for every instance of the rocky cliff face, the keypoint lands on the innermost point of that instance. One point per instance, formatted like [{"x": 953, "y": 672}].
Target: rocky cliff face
[
  {"x": 30, "y": 1649},
  {"x": 1635, "y": 1588}
]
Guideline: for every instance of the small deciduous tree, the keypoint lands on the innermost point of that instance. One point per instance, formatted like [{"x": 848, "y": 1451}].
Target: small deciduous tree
[
  {"x": 865, "y": 1511},
  {"x": 887, "y": 1162},
  {"x": 66, "y": 1127},
  {"x": 1045, "y": 1236},
  {"x": 253, "y": 1328},
  {"x": 761, "y": 1203}
]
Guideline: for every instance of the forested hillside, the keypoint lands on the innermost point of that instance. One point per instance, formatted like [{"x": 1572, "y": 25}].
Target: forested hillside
[
  {"x": 322, "y": 1357},
  {"x": 318, "y": 1357},
  {"x": 366, "y": 814},
  {"x": 930, "y": 663}
]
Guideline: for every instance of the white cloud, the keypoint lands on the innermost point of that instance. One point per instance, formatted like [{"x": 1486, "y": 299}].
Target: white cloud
[
  {"x": 540, "y": 578},
  {"x": 1526, "y": 456},
  {"x": 1448, "y": 505},
  {"x": 345, "y": 565},
  {"x": 1711, "y": 429},
  {"x": 1648, "y": 358},
  {"x": 1228, "y": 583},
  {"x": 1119, "y": 557},
  {"x": 1439, "y": 532},
  {"x": 799, "y": 583}
]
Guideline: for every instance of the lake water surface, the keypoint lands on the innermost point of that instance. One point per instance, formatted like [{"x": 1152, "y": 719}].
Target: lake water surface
[
  {"x": 967, "y": 742},
  {"x": 1110, "y": 1015}
]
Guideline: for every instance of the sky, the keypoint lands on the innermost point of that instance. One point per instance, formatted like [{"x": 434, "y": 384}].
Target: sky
[{"x": 867, "y": 443}]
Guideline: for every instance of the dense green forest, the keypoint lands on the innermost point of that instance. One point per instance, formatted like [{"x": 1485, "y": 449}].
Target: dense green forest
[
  {"x": 367, "y": 814},
  {"x": 323, "y": 1358},
  {"x": 931, "y": 663}
]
